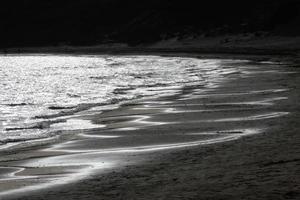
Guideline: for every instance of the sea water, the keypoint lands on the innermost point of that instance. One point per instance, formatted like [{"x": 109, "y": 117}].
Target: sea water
[{"x": 37, "y": 90}]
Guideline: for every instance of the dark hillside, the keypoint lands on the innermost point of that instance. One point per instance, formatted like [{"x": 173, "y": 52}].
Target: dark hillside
[{"x": 91, "y": 22}]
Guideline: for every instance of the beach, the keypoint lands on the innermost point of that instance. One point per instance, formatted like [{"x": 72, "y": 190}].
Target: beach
[{"x": 233, "y": 136}]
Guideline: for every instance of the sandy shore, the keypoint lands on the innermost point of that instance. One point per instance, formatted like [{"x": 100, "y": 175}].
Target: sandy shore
[
  {"x": 229, "y": 45},
  {"x": 237, "y": 139}
]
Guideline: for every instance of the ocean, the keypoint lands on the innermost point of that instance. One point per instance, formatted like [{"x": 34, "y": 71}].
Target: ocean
[{"x": 39, "y": 94}]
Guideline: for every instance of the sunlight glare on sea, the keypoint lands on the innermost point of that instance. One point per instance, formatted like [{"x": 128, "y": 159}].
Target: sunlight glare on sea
[{"x": 47, "y": 85}]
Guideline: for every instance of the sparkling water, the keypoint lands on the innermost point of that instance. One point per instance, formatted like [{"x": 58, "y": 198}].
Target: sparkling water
[{"x": 35, "y": 90}]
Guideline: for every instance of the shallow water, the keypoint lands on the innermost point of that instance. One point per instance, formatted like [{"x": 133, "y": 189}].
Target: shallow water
[{"x": 37, "y": 90}]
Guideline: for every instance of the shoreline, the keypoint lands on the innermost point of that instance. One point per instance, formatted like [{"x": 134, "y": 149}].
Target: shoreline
[
  {"x": 181, "y": 51},
  {"x": 236, "y": 45},
  {"x": 164, "y": 168}
]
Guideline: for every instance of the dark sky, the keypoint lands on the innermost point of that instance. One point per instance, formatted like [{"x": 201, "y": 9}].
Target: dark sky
[{"x": 86, "y": 22}]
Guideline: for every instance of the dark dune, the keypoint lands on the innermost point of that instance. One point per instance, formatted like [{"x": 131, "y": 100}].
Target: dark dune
[{"x": 35, "y": 23}]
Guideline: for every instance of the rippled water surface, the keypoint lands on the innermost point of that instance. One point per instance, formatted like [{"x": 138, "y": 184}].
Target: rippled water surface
[{"x": 35, "y": 87}]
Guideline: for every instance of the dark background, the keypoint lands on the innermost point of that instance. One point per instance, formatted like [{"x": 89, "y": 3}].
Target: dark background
[{"x": 90, "y": 22}]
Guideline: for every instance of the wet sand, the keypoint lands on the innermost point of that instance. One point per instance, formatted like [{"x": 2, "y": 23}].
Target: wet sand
[{"x": 237, "y": 139}]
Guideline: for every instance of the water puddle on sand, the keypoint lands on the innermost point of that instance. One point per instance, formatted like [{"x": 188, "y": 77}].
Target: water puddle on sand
[{"x": 79, "y": 165}]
